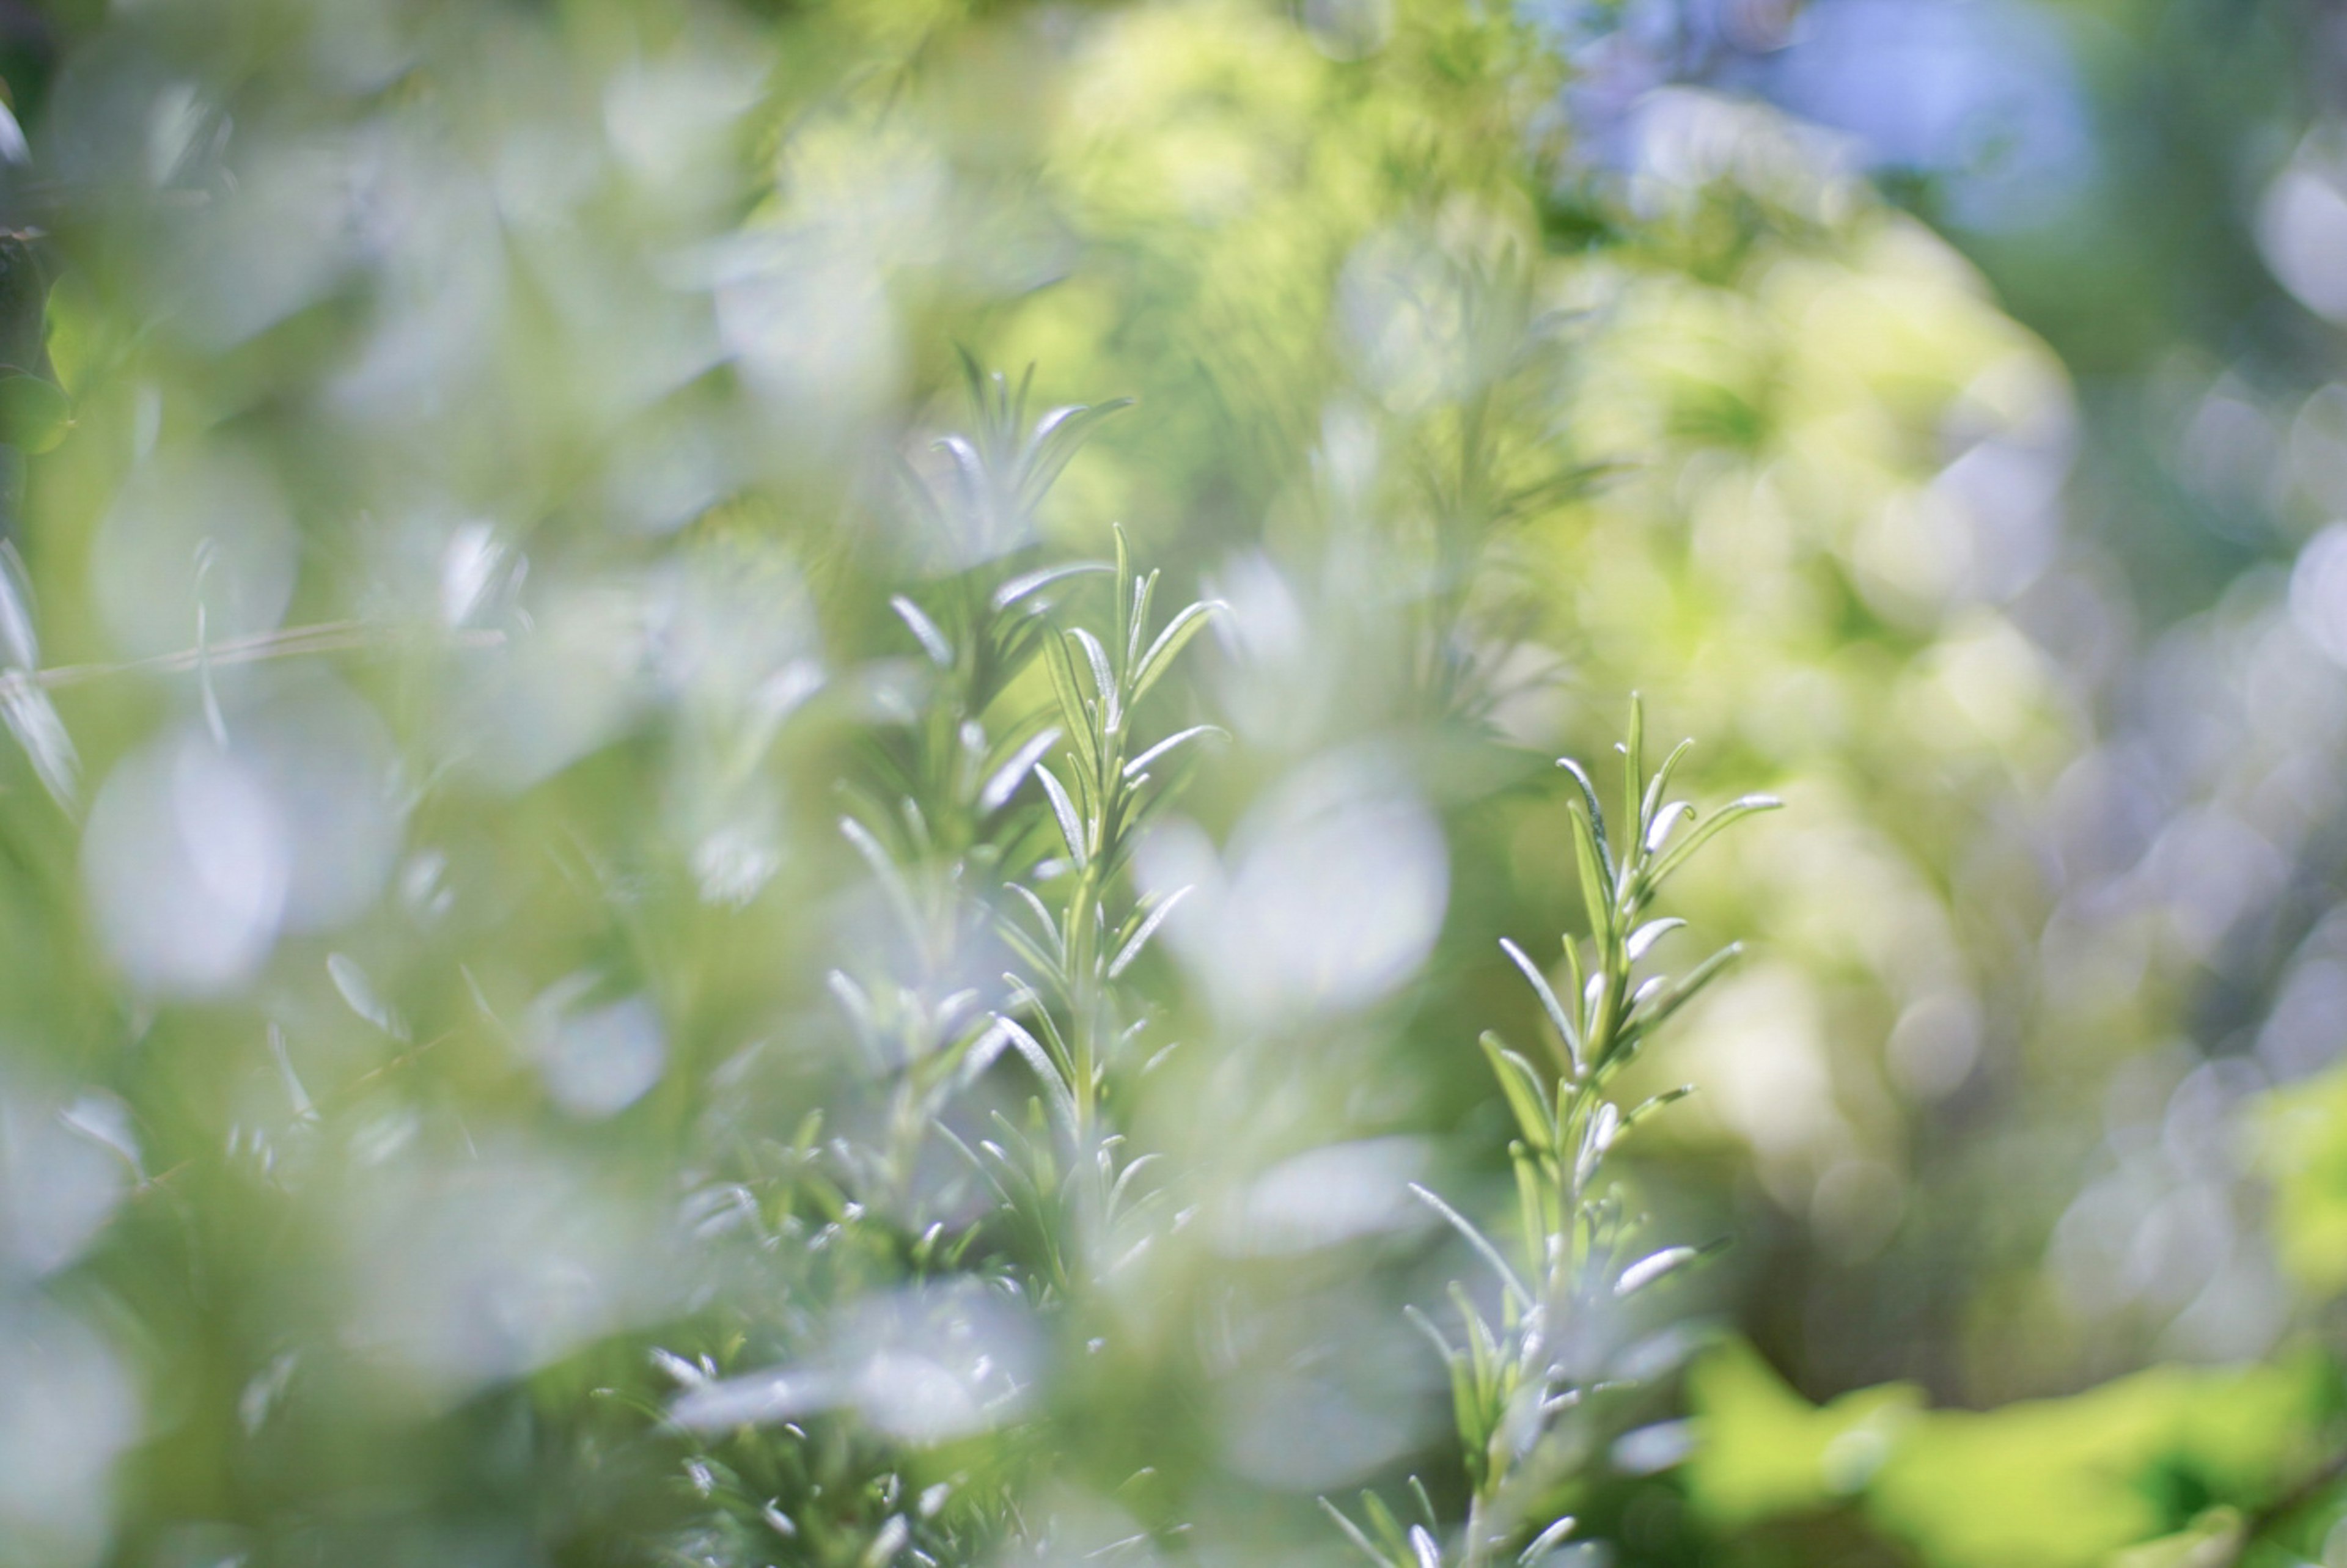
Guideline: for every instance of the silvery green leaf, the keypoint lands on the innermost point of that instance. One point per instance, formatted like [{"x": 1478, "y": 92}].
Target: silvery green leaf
[
  {"x": 933, "y": 641},
  {"x": 1042, "y": 917},
  {"x": 1103, "y": 680},
  {"x": 1185, "y": 625},
  {"x": 977, "y": 490},
  {"x": 1087, "y": 807},
  {"x": 759, "y": 1399},
  {"x": 1655, "y": 1447},
  {"x": 105, "y": 1121},
  {"x": 1124, "y": 573},
  {"x": 1644, "y": 939},
  {"x": 1596, "y": 817},
  {"x": 1525, "y": 1093},
  {"x": 1634, "y": 762},
  {"x": 1547, "y": 1540},
  {"x": 1140, "y": 764},
  {"x": 1125, "y": 1178},
  {"x": 1426, "y": 1325},
  {"x": 1654, "y": 1265},
  {"x": 1071, "y": 828},
  {"x": 1662, "y": 779},
  {"x": 982, "y": 1052},
  {"x": 1480, "y": 1242},
  {"x": 883, "y": 870},
  {"x": 1024, "y": 996},
  {"x": 1028, "y": 583},
  {"x": 1595, "y": 1140},
  {"x": 18, "y": 642},
  {"x": 1658, "y": 832},
  {"x": 1058, "y": 437},
  {"x": 1156, "y": 917},
  {"x": 1353, "y": 1534},
  {"x": 303, "y": 1110},
  {"x": 1557, "y": 1016},
  {"x": 1425, "y": 1503},
  {"x": 207, "y": 692},
  {"x": 1381, "y": 1519},
  {"x": 33, "y": 719},
  {"x": 1144, "y": 589},
  {"x": 1590, "y": 860},
  {"x": 1074, "y": 715},
  {"x": 1054, "y": 1076},
  {"x": 359, "y": 992},
  {"x": 851, "y": 998},
  {"x": 949, "y": 1011},
  {"x": 1662, "y": 1005},
  {"x": 989, "y": 394},
  {"x": 1703, "y": 832},
  {"x": 1012, "y": 774},
  {"x": 680, "y": 1371},
  {"x": 891, "y": 1539},
  {"x": 1430, "y": 1556},
  {"x": 1654, "y": 1103}
]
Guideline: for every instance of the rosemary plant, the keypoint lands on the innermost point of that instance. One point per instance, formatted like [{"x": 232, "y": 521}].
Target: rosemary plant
[
  {"x": 935, "y": 822},
  {"x": 1076, "y": 949},
  {"x": 969, "y": 831},
  {"x": 1517, "y": 1382},
  {"x": 1067, "y": 1185}
]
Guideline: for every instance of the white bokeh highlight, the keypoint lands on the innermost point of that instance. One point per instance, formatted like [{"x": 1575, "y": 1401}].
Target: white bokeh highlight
[{"x": 1328, "y": 899}]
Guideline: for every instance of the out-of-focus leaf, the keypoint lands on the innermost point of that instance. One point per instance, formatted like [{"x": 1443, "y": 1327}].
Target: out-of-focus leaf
[
  {"x": 1072, "y": 830},
  {"x": 1140, "y": 764},
  {"x": 1105, "y": 686},
  {"x": 1653, "y": 1266},
  {"x": 359, "y": 992},
  {"x": 1074, "y": 716},
  {"x": 33, "y": 719},
  {"x": 1763, "y": 1451},
  {"x": 2043, "y": 1483},
  {"x": 34, "y": 412},
  {"x": 2302, "y": 1147},
  {"x": 1012, "y": 774},
  {"x": 20, "y": 641},
  {"x": 1029, "y": 584},
  {"x": 1133, "y": 944},
  {"x": 933, "y": 641},
  {"x": 1058, "y": 437}
]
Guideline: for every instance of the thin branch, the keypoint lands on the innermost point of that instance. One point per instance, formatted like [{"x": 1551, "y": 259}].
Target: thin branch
[
  {"x": 325, "y": 637},
  {"x": 2309, "y": 1488}
]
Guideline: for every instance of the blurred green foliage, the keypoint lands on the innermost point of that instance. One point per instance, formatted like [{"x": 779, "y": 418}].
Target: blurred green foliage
[
  {"x": 598, "y": 962},
  {"x": 2168, "y": 1455}
]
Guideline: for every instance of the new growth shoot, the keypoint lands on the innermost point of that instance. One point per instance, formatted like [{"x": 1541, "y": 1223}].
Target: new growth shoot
[{"x": 1517, "y": 1383}]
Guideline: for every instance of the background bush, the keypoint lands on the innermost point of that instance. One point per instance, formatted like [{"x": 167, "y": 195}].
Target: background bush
[{"x": 585, "y": 980}]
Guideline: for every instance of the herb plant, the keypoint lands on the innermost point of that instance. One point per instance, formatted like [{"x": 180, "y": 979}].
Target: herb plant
[{"x": 1522, "y": 1386}]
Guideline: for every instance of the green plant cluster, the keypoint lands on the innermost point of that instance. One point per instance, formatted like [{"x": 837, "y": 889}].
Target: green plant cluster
[{"x": 649, "y": 916}]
